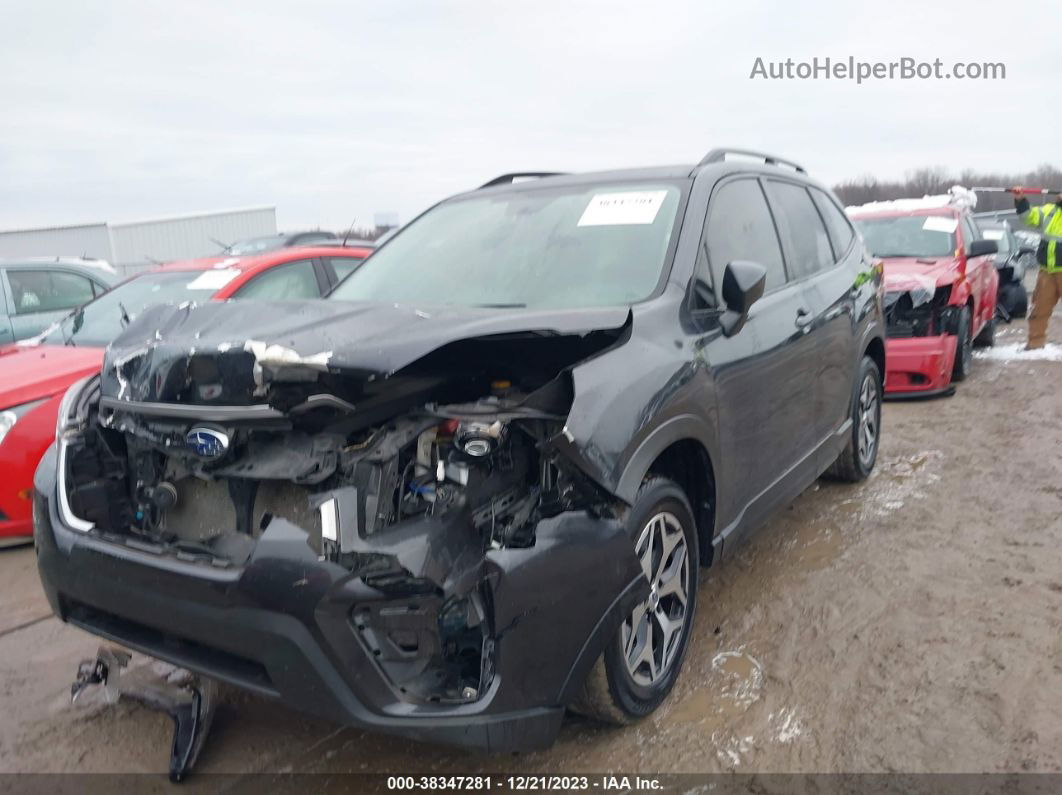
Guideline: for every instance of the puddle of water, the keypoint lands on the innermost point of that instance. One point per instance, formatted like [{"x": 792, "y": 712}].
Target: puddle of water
[
  {"x": 814, "y": 544},
  {"x": 894, "y": 483},
  {"x": 735, "y": 684}
]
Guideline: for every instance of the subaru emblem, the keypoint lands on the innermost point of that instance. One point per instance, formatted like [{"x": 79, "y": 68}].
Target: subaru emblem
[{"x": 207, "y": 442}]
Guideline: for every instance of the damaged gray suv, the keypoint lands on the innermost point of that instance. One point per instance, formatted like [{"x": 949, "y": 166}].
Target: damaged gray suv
[{"x": 473, "y": 488}]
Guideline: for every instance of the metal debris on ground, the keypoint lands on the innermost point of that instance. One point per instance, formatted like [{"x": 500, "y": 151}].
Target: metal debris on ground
[{"x": 188, "y": 699}]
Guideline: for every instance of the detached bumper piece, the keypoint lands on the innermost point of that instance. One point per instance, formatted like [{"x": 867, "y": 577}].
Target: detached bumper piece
[{"x": 187, "y": 699}]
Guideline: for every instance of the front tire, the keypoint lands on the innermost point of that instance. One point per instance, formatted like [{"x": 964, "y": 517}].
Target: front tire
[
  {"x": 964, "y": 347},
  {"x": 856, "y": 461},
  {"x": 641, "y": 662}
]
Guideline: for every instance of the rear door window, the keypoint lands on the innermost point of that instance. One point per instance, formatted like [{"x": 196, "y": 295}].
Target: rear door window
[
  {"x": 47, "y": 290},
  {"x": 291, "y": 281},
  {"x": 740, "y": 228},
  {"x": 804, "y": 238},
  {"x": 837, "y": 224}
]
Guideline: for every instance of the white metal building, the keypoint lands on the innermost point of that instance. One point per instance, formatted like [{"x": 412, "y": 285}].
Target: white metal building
[{"x": 134, "y": 245}]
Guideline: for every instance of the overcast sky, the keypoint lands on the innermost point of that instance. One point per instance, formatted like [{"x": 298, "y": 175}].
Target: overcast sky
[{"x": 336, "y": 111}]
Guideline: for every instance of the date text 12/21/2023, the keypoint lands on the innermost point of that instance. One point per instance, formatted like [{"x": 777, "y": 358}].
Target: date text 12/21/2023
[{"x": 523, "y": 783}]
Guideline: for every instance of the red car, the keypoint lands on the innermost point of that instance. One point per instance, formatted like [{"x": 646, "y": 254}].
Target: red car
[
  {"x": 34, "y": 374},
  {"x": 940, "y": 291}
]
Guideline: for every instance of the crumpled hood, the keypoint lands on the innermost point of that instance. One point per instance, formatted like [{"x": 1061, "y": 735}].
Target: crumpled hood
[
  {"x": 31, "y": 372},
  {"x": 910, "y": 273},
  {"x": 253, "y": 343},
  {"x": 918, "y": 277}
]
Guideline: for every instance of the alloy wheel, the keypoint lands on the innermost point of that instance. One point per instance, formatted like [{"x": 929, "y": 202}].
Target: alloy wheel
[
  {"x": 868, "y": 419},
  {"x": 651, "y": 636}
]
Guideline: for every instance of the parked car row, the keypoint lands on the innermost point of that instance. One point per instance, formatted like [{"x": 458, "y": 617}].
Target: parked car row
[
  {"x": 1014, "y": 259},
  {"x": 35, "y": 292},
  {"x": 942, "y": 287}
]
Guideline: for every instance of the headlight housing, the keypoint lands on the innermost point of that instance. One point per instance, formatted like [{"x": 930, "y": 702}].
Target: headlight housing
[
  {"x": 66, "y": 419},
  {"x": 8, "y": 417},
  {"x": 68, "y": 424}
]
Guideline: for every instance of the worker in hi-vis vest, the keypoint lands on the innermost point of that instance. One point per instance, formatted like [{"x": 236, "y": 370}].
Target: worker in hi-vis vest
[{"x": 1047, "y": 219}]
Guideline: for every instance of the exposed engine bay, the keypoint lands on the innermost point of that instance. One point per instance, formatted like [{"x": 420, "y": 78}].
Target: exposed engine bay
[
  {"x": 406, "y": 481},
  {"x": 920, "y": 313}
]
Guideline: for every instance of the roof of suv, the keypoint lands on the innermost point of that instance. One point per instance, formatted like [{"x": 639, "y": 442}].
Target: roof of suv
[
  {"x": 616, "y": 175},
  {"x": 760, "y": 162}
]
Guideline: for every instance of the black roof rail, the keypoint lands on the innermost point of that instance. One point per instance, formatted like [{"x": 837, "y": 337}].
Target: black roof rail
[
  {"x": 719, "y": 155},
  {"x": 508, "y": 179}
]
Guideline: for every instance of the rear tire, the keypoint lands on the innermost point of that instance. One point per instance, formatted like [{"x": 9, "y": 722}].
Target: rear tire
[
  {"x": 641, "y": 662},
  {"x": 963, "y": 348},
  {"x": 1015, "y": 298},
  {"x": 856, "y": 461}
]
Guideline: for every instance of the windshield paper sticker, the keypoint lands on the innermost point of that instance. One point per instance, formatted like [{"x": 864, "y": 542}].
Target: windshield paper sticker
[
  {"x": 940, "y": 223},
  {"x": 620, "y": 209},
  {"x": 212, "y": 280}
]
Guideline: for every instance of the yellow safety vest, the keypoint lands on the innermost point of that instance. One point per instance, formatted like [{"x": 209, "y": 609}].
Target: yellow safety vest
[{"x": 1047, "y": 219}]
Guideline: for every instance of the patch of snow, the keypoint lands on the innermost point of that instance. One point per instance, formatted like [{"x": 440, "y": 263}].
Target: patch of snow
[
  {"x": 1017, "y": 353},
  {"x": 730, "y": 748},
  {"x": 957, "y": 196},
  {"x": 785, "y": 725}
]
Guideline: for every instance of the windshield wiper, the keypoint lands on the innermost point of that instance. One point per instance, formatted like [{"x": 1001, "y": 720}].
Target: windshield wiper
[{"x": 502, "y": 306}]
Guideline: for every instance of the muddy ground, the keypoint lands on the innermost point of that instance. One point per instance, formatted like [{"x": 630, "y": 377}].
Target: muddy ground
[{"x": 913, "y": 623}]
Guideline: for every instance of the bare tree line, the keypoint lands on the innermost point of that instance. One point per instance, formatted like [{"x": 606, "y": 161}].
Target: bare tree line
[{"x": 935, "y": 179}]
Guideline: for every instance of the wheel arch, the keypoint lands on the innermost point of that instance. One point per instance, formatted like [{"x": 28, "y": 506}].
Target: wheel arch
[
  {"x": 875, "y": 349},
  {"x": 679, "y": 450}
]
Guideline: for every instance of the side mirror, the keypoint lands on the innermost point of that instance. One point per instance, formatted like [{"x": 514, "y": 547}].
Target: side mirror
[
  {"x": 980, "y": 248},
  {"x": 743, "y": 283}
]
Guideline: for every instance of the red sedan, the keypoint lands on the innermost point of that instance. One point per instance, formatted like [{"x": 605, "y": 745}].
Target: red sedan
[
  {"x": 35, "y": 373},
  {"x": 940, "y": 291}
]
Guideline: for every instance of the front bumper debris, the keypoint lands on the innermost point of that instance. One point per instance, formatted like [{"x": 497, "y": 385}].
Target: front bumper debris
[{"x": 187, "y": 699}]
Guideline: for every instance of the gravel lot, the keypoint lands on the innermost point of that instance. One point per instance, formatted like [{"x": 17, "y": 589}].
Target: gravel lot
[{"x": 913, "y": 623}]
